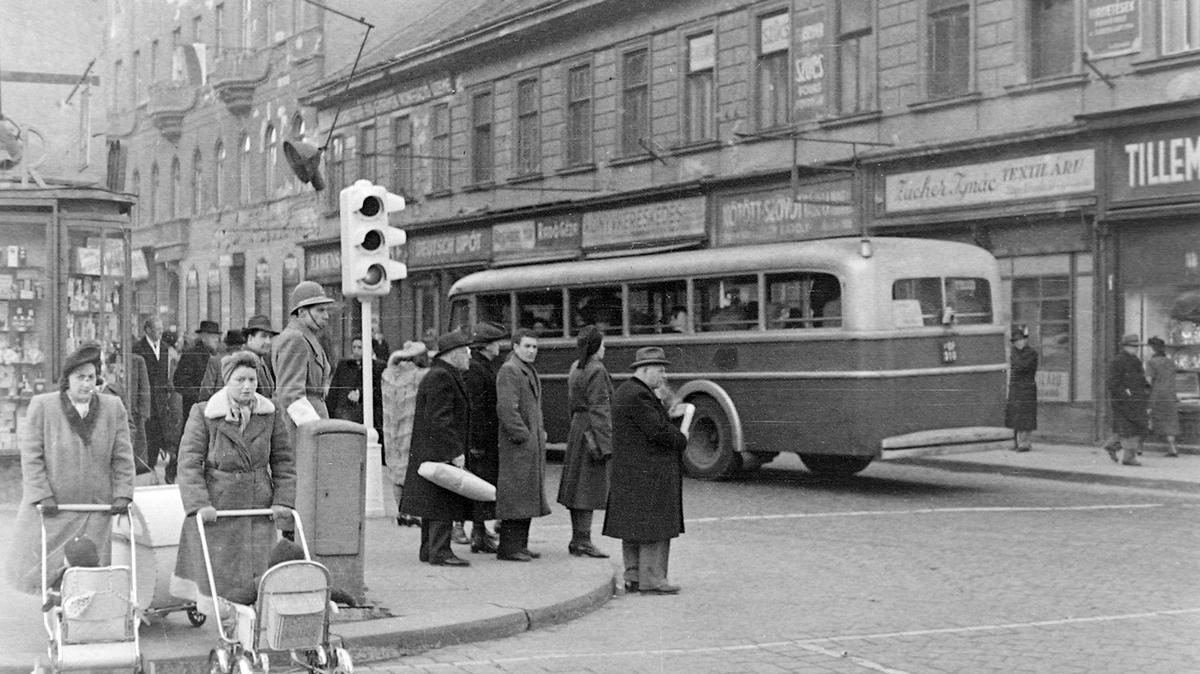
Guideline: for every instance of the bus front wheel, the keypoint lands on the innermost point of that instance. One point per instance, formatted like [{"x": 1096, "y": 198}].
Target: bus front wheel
[
  {"x": 709, "y": 454},
  {"x": 830, "y": 465}
]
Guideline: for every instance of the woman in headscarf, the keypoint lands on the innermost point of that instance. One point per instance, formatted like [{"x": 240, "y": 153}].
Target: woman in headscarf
[
  {"x": 234, "y": 454},
  {"x": 75, "y": 449},
  {"x": 584, "y": 484}
]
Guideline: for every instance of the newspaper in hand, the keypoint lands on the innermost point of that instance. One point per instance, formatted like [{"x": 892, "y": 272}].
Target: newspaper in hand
[{"x": 302, "y": 412}]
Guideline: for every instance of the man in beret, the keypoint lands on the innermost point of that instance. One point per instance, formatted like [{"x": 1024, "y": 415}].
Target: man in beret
[
  {"x": 487, "y": 339},
  {"x": 441, "y": 426}
]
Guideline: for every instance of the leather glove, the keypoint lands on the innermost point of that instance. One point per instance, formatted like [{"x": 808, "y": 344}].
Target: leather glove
[
  {"x": 49, "y": 507},
  {"x": 281, "y": 514},
  {"x": 207, "y": 514},
  {"x": 120, "y": 506}
]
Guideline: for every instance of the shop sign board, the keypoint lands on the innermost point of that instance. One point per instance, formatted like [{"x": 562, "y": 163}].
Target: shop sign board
[
  {"x": 658, "y": 222},
  {"x": 1162, "y": 163},
  {"x": 1023, "y": 178},
  {"x": 808, "y": 65},
  {"x": 537, "y": 239},
  {"x": 1112, "y": 28},
  {"x": 1053, "y": 385},
  {"x": 443, "y": 248},
  {"x": 323, "y": 262},
  {"x": 817, "y": 211}
]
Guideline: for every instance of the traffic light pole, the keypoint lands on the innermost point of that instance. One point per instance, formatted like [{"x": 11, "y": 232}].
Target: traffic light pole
[{"x": 374, "y": 495}]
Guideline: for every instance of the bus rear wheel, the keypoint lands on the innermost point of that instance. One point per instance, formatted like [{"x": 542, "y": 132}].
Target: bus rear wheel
[
  {"x": 829, "y": 465},
  {"x": 709, "y": 454}
]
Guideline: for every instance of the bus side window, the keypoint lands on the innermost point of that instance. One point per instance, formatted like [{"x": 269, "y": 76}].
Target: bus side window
[
  {"x": 495, "y": 308},
  {"x": 727, "y": 304},
  {"x": 541, "y": 311},
  {"x": 658, "y": 308},
  {"x": 970, "y": 298},
  {"x": 803, "y": 300},
  {"x": 928, "y": 293},
  {"x": 596, "y": 306},
  {"x": 460, "y": 315}
]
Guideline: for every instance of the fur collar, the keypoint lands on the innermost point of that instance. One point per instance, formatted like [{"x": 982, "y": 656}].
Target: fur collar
[{"x": 218, "y": 406}]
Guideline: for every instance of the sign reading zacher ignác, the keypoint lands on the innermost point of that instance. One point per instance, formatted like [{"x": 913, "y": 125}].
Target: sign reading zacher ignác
[{"x": 1040, "y": 176}]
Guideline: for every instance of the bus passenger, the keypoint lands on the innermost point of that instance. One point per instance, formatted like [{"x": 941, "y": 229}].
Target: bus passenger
[{"x": 679, "y": 319}]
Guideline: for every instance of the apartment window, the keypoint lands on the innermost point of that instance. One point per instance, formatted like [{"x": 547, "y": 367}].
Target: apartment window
[
  {"x": 771, "y": 81},
  {"x": 192, "y": 299},
  {"x": 949, "y": 49},
  {"x": 579, "y": 115},
  {"x": 213, "y": 286},
  {"x": 1180, "y": 25},
  {"x": 174, "y": 208},
  {"x": 402, "y": 156},
  {"x": 154, "y": 194},
  {"x": 271, "y": 19},
  {"x": 270, "y": 160},
  {"x": 262, "y": 288},
  {"x": 118, "y": 83},
  {"x": 440, "y": 133},
  {"x": 197, "y": 182},
  {"x": 481, "y": 138},
  {"x": 197, "y": 24},
  {"x": 855, "y": 57},
  {"x": 154, "y": 61},
  {"x": 219, "y": 174},
  {"x": 247, "y": 24},
  {"x": 297, "y": 128},
  {"x": 337, "y": 170},
  {"x": 698, "y": 124},
  {"x": 176, "y": 38},
  {"x": 135, "y": 77},
  {"x": 529, "y": 155},
  {"x": 635, "y": 101},
  {"x": 244, "y": 171},
  {"x": 1052, "y": 38},
  {"x": 219, "y": 30},
  {"x": 366, "y": 153}
]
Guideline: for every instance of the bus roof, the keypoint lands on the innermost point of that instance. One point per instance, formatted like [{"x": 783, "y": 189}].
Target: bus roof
[{"x": 837, "y": 256}]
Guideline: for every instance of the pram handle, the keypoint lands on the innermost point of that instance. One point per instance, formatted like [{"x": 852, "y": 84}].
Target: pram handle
[{"x": 80, "y": 507}]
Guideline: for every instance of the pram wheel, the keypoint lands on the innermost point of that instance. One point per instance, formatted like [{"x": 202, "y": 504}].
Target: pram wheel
[
  {"x": 195, "y": 617},
  {"x": 218, "y": 661},
  {"x": 245, "y": 665},
  {"x": 342, "y": 663}
]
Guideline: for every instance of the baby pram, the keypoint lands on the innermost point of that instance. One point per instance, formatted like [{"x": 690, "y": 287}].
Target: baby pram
[
  {"x": 290, "y": 614},
  {"x": 95, "y": 623}
]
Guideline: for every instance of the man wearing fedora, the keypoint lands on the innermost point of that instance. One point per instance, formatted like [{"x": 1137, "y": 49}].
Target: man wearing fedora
[
  {"x": 259, "y": 333},
  {"x": 302, "y": 369},
  {"x": 487, "y": 339},
  {"x": 1020, "y": 412},
  {"x": 189, "y": 374},
  {"x": 1128, "y": 394},
  {"x": 441, "y": 424},
  {"x": 645, "y": 498}
]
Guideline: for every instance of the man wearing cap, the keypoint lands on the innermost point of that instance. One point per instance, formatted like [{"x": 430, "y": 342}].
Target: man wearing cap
[
  {"x": 441, "y": 426},
  {"x": 302, "y": 370},
  {"x": 484, "y": 459},
  {"x": 213, "y": 379},
  {"x": 189, "y": 375},
  {"x": 1128, "y": 394},
  {"x": 645, "y": 499},
  {"x": 521, "y": 443},
  {"x": 258, "y": 333}
]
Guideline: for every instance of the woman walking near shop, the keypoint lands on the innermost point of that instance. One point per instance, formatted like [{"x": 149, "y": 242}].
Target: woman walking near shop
[
  {"x": 584, "y": 484},
  {"x": 1164, "y": 405}
]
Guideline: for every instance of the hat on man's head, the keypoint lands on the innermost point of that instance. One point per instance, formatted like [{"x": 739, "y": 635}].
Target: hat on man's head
[
  {"x": 234, "y": 339},
  {"x": 488, "y": 331},
  {"x": 1132, "y": 339},
  {"x": 259, "y": 323},
  {"x": 649, "y": 355},
  {"x": 452, "y": 340},
  {"x": 1156, "y": 341},
  {"x": 411, "y": 350},
  {"x": 208, "y": 328},
  {"x": 308, "y": 294},
  {"x": 1019, "y": 332}
]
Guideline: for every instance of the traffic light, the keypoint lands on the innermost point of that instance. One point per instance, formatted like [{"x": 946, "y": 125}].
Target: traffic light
[{"x": 367, "y": 239}]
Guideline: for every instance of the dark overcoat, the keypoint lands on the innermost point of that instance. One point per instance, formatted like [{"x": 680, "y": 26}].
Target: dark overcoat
[
  {"x": 521, "y": 440},
  {"x": 189, "y": 375},
  {"x": 645, "y": 501},
  {"x": 1127, "y": 390},
  {"x": 1021, "y": 412},
  {"x": 584, "y": 483},
  {"x": 1164, "y": 402},
  {"x": 160, "y": 427},
  {"x": 57, "y": 461},
  {"x": 223, "y": 466},
  {"x": 484, "y": 457},
  {"x": 441, "y": 428}
]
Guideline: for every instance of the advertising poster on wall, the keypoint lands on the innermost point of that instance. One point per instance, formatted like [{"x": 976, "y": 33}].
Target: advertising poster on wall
[{"x": 1112, "y": 28}]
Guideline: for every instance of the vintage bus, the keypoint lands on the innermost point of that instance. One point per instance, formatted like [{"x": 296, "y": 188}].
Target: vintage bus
[{"x": 840, "y": 350}]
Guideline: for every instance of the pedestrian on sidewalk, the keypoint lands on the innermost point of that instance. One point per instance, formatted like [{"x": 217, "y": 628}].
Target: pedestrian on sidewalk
[
  {"x": 162, "y": 435},
  {"x": 520, "y": 492},
  {"x": 399, "y": 382},
  {"x": 235, "y": 340},
  {"x": 75, "y": 449},
  {"x": 487, "y": 341},
  {"x": 1164, "y": 404},
  {"x": 299, "y": 360},
  {"x": 645, "y": 499},
  {"x": 441, "y": 428},
  {"x": 1127, "y": 391},
  {"x": 583, "y": 487},
  {"x": 1020, "y": 414},
  {"x": 259, "y": 333}
]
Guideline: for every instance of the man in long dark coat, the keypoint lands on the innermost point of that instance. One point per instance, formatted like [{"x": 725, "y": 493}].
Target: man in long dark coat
[
  {"x": 520, "y": 486},
  {"x": 155, "y": 353},
  {"x": 1020, "y": 414},
  {"x": 189, "y": 376},
  {"x": 441, "y": 433},
  {"x": 484, "y": 457},
  {"x": 645, "y": 498},
  {"x": 1128, "y": 394}
]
